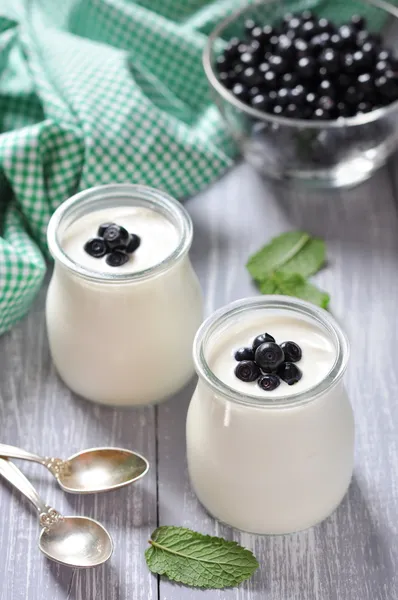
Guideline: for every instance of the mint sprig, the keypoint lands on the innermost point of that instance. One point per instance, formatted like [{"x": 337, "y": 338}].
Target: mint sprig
[
  {"x": 284, "y": 264},
  {"x": 198, "y": 560}
]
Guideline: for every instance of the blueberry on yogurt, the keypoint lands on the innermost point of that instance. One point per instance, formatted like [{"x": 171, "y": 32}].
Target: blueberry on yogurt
[
  {"x": 116, "y": 236},
  {"x": 96, "y": 247},
  {"x": 116, "y": 258},
  {"x": 247, "y": 370}
]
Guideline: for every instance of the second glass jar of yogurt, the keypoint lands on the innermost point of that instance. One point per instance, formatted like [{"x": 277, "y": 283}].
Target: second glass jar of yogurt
[
  {"x": 122, "y": 333},
  {"x": 270, "y": 462}
]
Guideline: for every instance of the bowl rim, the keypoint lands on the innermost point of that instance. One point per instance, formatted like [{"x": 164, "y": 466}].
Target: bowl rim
[{"x": 222, "y": 91}]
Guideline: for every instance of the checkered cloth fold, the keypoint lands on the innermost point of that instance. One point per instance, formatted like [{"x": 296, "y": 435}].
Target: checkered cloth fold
[{"x": 92, "y": 92}]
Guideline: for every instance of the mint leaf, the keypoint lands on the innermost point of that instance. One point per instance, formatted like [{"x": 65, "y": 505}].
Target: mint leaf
[
  {"x": 198, "y": 560},
  {"x": 294, "y": 285},
  {"x": 291, "y": 252}
]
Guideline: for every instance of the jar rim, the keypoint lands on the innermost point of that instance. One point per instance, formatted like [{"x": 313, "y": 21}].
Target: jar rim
[
  {"x": 324, "y": 318},
  {"x": 145, "y": 196}
]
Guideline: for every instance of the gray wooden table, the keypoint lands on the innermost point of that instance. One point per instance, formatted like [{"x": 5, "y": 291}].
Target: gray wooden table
[{"x": 353, "y": 555}]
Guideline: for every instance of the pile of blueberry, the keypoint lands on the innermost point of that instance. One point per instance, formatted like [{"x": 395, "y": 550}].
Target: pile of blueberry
[
  {"x": 114, "y": 242},
  {"x": 308, "y": 68},
  {"x": 268, "y": 362}
]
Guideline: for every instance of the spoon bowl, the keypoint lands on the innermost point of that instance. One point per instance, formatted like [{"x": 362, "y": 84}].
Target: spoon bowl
[
  {"x": 88, "y": 471},
  {"x": 77, "y": 541},
  {"x": 101, "y": 469}
]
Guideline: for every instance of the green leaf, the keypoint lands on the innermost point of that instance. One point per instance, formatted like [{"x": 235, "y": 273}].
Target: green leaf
[
  {"x": 198, "y": 560},
  {"x": 294, "y": 285},
  {"x": 291, "y": 252}
]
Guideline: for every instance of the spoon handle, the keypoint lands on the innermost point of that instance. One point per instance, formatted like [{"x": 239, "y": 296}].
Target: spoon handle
[
  {"x": 14, "y": 452},
  {"x": 13, "y": 475}
]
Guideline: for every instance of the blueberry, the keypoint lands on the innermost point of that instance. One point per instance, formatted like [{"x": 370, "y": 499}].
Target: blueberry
[
  {"x": 387, "y": 86},
  {"x": 365, "y": 83},
  {"x": 283, "y": 98},
  {"x": 262, "y": 35},
  {"x": 240, "y": 91},
  {"x": 254, "y": 91},
  {"x": 249, "y": 25},
  {"x": 285, "y": 47},
  {"x": 349, "y": 36},
  {"x": 261, "y": 102},
  {"x": 251, "y": 76},
  {"x": 134, "y": 243},
  {"x": 306, "y": 67},
  {"x": 358, "y": 22},
  {"x": 244, "y": 354},
  {"x": 278, "y": 64},
  {"x": 344, "y": 110},
  {"x": 297, "y": 95},
  {"x": 308, "y": 30},
  {"x": 289, "y": 373},
  {"x": 319, "y": 43},
  {"x": 321, "y": 114},
  {"x": 264, "y": 68},
  {"x": 324, "y": 26},
  {"x": 329, "y": 59},
  {"x": 353, "y": 95},
  {"x": 364, "y": 107},
  {"x": 116, "y": 236},
  {"x": 102, "y": 228},
  {"x": 290, "y": 80},
  {"x": 369, "y": 53},
  {"x": 307, "y": 15},
  {"x": 360, "y": 61},
  {"x": 96, "y": 247},
  {"x": 326, "y": 88},
  {"x": 225, "y": 78},
  {"x": 222, "y": 62},
  {"x": 269, "y": 382},
  {"x": 231, "y": 49},
  {"x": 269, "y": 356},
  {"x": 384, "y": 55},
  {"x": 278, "y": 110},
  {"x": 301, "y": 47},
  {"x": 381, "y": 67},
  {"x": 336, "y": 42},
  {"x": 311, "y": 99},
  {"x": 295, "y": 25},
  {"x": 343, "y": 81},
  {"x": 270, "y": 80},
  {"x": 261, "y": 339},
  {"x": 247, "y": 59},
  {"x": 247, "y": 370},
  {"x": 292, "y": 111},
  {"x": 117, "y": 258},
  {"x": 292, "y": 351},
  {"x": 348, "y": 64}
]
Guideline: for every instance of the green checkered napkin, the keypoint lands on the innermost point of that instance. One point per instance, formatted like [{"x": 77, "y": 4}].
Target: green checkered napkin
[{"x": 92, "y": 92}]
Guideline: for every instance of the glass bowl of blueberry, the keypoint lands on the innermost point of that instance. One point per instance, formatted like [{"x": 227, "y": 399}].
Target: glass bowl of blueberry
[{"x": 308, "y": 99}]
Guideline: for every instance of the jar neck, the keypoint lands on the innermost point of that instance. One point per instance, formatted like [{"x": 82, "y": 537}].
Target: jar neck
[
  {"x": 293, "y": 306},
  {"x": 111, "y": 196}
]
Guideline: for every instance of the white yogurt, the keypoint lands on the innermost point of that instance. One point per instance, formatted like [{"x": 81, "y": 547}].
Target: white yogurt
[
  {"x": 122, "y": 335},
  {"x": 270, "y": 462}
]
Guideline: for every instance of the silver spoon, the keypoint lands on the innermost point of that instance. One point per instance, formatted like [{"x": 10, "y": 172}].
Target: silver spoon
[
  {"x": 89, "y": 471},
  {"x": 72, "y": 541}
]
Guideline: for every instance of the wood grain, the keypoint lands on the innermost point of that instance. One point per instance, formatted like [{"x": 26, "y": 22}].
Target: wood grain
[{"x": 351, "y": 556}]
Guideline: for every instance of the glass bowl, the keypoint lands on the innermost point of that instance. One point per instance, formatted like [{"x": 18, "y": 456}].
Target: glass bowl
[{"x": 324, "y": 154}]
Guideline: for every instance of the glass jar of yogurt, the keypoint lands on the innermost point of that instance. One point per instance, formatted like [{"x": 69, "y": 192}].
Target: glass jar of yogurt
[
  {"x": 270, "y": 462},
  {"x": 123, "y": 334}
]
